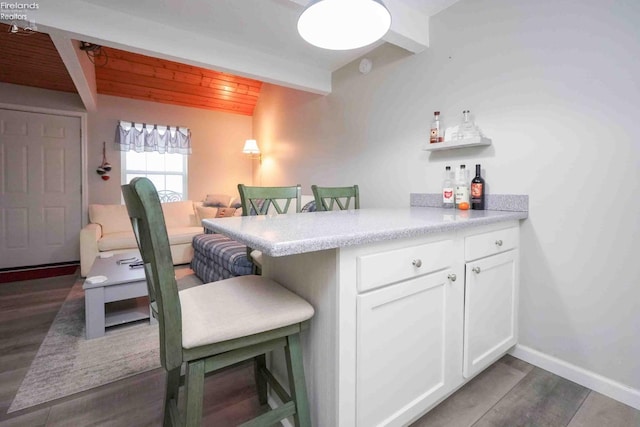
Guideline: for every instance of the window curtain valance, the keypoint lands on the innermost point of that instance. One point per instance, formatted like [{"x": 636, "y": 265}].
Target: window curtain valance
[{"x": 141, "y": 137}]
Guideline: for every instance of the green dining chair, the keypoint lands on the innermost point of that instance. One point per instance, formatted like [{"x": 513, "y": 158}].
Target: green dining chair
[
  {"x": 218, "y": 324},
  {"x": 327, "y": 197},
  {"x": 267, "y": 200}
]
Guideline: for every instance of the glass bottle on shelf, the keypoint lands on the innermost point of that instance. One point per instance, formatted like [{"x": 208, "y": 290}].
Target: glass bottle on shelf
[
  {"x": 467, "y": 128},
  {"x": 437, "y": 134}
]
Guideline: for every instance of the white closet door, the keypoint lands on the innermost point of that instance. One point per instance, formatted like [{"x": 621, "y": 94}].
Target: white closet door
[{"x": 40, "y": 188}]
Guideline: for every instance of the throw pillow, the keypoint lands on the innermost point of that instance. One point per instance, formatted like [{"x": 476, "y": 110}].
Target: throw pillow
[
  {"x": 217, "y": 200},
  {"x": 309, "y": 207},
  {"x": 235, "y": 203},
  {"x": 205, "y": 212},
  {"x": 225, "y": 212}
]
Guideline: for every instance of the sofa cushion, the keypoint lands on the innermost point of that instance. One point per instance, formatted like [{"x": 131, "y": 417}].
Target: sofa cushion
[
  {"x": 179, "y": 235},
  {"x": 179, "y": 214},
  {"x": 112, "y": 218},
  {"x": 119, "y": 240},
  {"x": 126, "y": 239}
]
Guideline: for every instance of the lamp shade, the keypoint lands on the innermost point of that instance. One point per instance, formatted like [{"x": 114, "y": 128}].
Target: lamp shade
[
  {"x": 251, "y": 147},
  {"x": 344, "y": 24}
]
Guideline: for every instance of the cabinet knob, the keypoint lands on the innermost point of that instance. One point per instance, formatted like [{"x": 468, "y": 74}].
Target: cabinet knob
[
  {"x": 452, "y": 277},
  {"x": 476, "y": 270},
  {"x": 417, "y": 263},
  {"x": 498, "y": 242}
]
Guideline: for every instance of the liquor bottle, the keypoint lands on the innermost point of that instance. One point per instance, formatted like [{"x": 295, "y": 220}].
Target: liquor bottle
[
  {"x": 462, "y": 189},
  {"x": 448, "y": 195},
  {"x": 467, "y": 129},
  {"x": 436, "y": 133},
  {"x": 477, "y": 191}
]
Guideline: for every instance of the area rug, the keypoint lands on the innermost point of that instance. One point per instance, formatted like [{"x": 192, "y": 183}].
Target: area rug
[{"x": 67, "y": 363}]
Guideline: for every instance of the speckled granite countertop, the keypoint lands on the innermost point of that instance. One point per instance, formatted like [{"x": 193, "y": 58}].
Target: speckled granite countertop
[{"x": 281, "y": 235}]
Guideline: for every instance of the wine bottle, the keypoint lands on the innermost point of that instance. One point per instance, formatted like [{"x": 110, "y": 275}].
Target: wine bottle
[
  {"x": 448, "y": 197},
  {"x": 477, "y": 191}
]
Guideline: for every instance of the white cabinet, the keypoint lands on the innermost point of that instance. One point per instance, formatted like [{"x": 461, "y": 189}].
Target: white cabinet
[
  {"x": 408, "y": 317},
  {"x": 403, "y": 349},
  {"x": 429, "y": 317},
  {"x": 491, "y": 298}
]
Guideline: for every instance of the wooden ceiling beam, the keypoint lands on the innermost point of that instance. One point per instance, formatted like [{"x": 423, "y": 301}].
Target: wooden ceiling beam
[{"x": 79, "y": 67}]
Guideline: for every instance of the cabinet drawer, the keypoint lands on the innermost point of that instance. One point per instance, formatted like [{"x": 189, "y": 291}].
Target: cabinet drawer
[
  {"x": 494, "y": 242},
  {"x": 382, "y": 268}
]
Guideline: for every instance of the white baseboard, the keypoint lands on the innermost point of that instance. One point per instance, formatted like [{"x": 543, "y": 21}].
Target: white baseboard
[{"x": 615, "y": 390}]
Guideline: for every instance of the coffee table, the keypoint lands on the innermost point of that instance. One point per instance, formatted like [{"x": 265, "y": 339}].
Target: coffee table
[{"x": 116, "y": 300}]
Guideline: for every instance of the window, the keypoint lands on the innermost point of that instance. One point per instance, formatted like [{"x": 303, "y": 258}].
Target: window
[{"x": 168, "y": 172}]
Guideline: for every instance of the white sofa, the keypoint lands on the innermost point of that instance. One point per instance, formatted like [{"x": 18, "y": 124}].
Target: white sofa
[{"x": 109, "y": 229}]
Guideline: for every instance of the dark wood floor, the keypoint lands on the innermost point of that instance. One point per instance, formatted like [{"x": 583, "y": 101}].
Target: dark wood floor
[{"x": 509, "y": 393}]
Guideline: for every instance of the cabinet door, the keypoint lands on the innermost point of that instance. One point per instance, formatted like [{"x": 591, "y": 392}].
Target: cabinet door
[
  {"x": 403, "y": 335},
  {"x": 491, "y": 288}
]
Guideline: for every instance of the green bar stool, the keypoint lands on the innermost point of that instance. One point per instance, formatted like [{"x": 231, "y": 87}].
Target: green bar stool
[
  {"x": 263, "y": 201},
  {"x": 327, "y": 197},
  {"x": 209, "y": 327}
]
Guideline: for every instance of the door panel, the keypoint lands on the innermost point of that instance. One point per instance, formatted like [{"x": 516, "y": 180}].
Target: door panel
[
  {"x": 490, "y": 310},
  {"x": 402, "y": 353},
  {"x": 40, "y": 188}
]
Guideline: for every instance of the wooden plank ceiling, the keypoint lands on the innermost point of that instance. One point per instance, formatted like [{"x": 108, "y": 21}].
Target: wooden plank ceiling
[
  {"x": 34, "y": 61},
  {"x": 151, "y": 79}
]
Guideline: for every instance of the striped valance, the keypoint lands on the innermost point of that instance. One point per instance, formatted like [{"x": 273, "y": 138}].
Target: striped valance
[{"x": 141, "y": 137}]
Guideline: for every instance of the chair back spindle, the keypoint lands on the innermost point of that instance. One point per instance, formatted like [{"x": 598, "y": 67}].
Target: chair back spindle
[
  {"x": 328, "y": 197},
  {"x": 259, "y": 200}
]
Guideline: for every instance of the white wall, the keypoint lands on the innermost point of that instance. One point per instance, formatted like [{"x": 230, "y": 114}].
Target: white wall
[
  {"x": 40, "y": 98},
  {"x": 555, "y": 84},
  {"x": 216, "y": 164}
]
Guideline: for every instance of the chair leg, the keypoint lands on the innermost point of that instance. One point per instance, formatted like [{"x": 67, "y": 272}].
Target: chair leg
[
  {"x": 194, "y": 391},
  {"x": 260, "y": 364},
  {"x": 297, "y": 385},
  {"x": 171, "y": 398}
]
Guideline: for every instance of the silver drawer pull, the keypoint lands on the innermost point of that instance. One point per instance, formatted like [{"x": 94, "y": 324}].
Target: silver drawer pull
[
  {"x": 476, "y": 270},
  {"x": 417, "y": 263},
  {"x": 452, "y": 277},
  {"x": 499, "y": 242}
]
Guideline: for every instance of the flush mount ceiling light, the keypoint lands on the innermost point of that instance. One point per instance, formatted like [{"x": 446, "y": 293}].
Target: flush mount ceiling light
[{"x": 344, "y": 24}]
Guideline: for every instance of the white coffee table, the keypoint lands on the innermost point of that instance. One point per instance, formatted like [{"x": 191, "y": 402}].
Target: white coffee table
[{"x": 122, "y": 287}]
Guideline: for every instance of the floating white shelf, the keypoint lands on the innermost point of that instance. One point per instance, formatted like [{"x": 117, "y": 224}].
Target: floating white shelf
[{"x": 458, "y": 143}]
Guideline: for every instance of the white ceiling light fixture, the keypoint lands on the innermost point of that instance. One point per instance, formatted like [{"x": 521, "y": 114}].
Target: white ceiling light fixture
[{"x": 344, "y": 24}]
